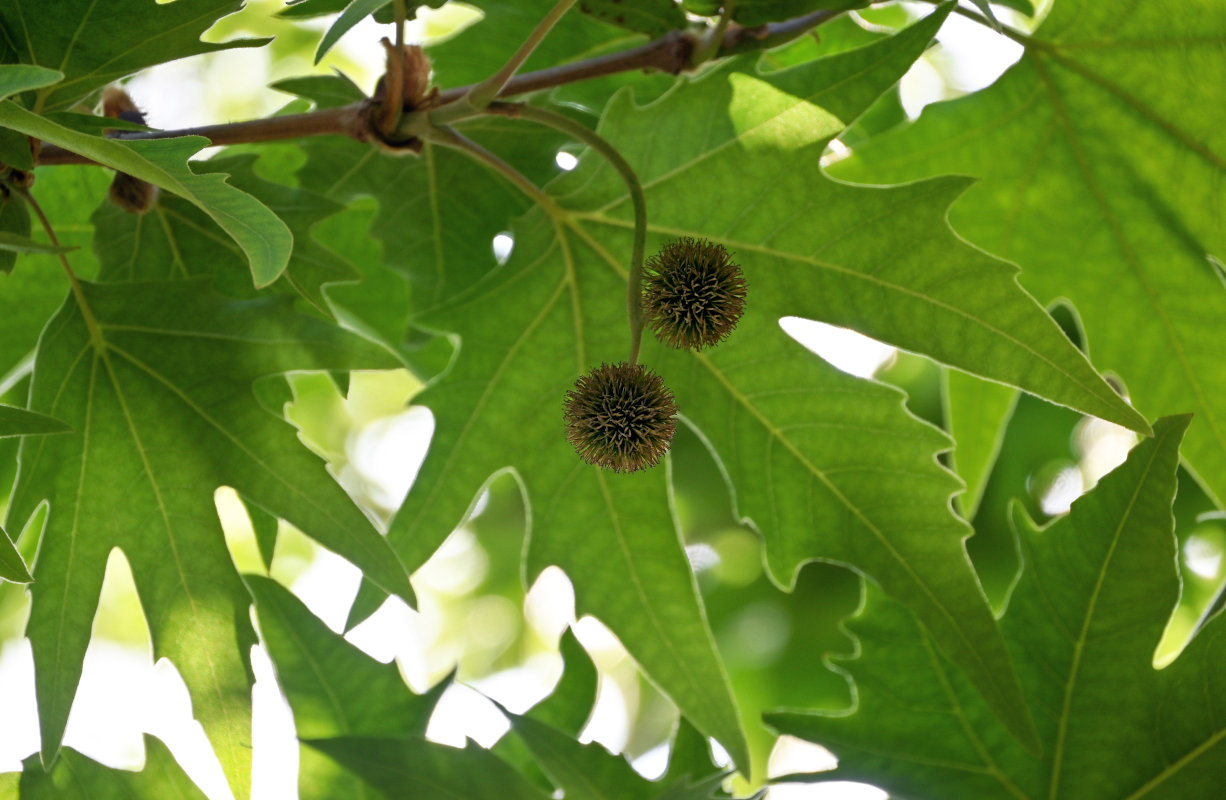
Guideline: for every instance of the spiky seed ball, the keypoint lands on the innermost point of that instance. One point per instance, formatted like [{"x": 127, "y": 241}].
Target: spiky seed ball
[
  {"x": 620, "y": 417},
  {"x": 694, "y": 293}
]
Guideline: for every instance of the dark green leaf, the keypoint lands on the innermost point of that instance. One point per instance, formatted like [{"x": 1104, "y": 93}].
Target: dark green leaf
[
  {"x": 156, "y": 379},
  {"x": 580, "y": 770},
  {"x": 94, "y": 43},
  {"x": 12, "y": 567},
  {"x": 569, "y": 705},
  {"x": 402, "y": 768},
  {"x": 15, "y": 243},
  {"x": 77, "y": 776},
  {"x": 1102, "y": 155},
  {"x": 333, "y": 688},
  {"x": 652, "y": 17},
  {"x": 355, "y": 12},
  {"x": 20, "y": 422},
  {"x": 264, "y": 238},
  {"x": 175, "y": 239},
  {"x": 793, "y": 429},
  {"x": 1083, "y": 622},
  {"x": 975, "y": 412}
]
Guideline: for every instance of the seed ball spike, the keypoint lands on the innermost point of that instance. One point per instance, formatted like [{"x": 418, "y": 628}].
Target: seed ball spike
[
  {"x": 620, "y": 417},
  {"x": 694, "y": 293}
]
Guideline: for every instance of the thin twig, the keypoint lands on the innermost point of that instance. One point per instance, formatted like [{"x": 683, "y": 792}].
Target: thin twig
[
  {"x": 564, "y": 124},
  {"x": 481, "y": 95},
  {"x": 670, "y": 54},
  {"x": 78, "y": 292}
]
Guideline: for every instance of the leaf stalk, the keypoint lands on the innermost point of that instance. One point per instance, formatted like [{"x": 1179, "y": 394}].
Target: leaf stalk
[{"x": 589, "y": 137}]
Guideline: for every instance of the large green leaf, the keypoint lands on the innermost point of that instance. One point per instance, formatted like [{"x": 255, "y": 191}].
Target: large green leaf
[
  {"x": 12, "y": 567},
  {"x": 75, "y": 775},
  {"x": 652, "y": 17},
  {"x": 262, "y": 235},
  {"x": 1102, "y": 155},
  {"x": 175, "y": 239},
  {"x": 477, "y": 52},
  {"x": 1093, "y": 600},
  {"x": 400, "y": 768},
  {"x": 975, "y": 414},
  {"x": 94, "y": 43},
  {"x": 353, "y": 13},
  {"x": 20, "y": 422},
  {"x": 156, "y": 381},
  {"x": 31, "y": 294},
  {"x": 334, "y": 689},
  {"x": 789, "y": 427}
]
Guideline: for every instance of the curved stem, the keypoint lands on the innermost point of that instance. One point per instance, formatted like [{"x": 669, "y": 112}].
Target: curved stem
[
  {"x": 975, "y": 16},
  {"x": 481, "y": 95},
  {"x": 670, "y": 53},
  {"x": 449, "y": 137},
  {"x": 564, "y": 124},
  {"x": 78, "y": 292},
  {"x": 714, "y": 38}
]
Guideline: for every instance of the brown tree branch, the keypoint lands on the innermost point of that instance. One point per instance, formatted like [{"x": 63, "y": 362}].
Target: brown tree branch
[{"x": 670, "y": 54}]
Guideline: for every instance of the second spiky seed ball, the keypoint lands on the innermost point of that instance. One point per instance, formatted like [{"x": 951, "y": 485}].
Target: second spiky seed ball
[{"x": 694, "y": 293}]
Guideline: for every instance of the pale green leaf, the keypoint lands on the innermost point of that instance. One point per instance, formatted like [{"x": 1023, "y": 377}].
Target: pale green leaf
[
  {"x": 651, "y": 17},
  {"x": 263, "y": 237},
  {"x": 580, "y": 770},
  {"x": 175, "y": 239},
  {"x": 93, "y": 43},
  {"x": 77, "y": 776},
  {"x": 12, "y": 567},
  {"x": 1095, "y": 594},
  {"x": 788, "y": 427},
  {"x": 334, "y": 689},
  {"x": 354, "y": 13},
  {"x": 20, "y": 422},
  {"x": 15, "y": 243},
  {"x": 32, "y": 294},
  {"x": 1102, "y": 159},
  {"x": 156, "y": 381},
  {"x": 401, "y": 768},
  {"x": 975, "y": 415}
]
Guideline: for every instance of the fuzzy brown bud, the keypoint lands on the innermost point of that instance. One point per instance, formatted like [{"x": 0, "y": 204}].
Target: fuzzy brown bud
[
  {"x": 694, "y": 294},
  {"x": 131, "y": 194},
  {"x": 621, "y": 417}
]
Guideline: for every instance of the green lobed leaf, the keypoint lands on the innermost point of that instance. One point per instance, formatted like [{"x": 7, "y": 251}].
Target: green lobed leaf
[
  {"x": 75, "y": 775},
  {"x": 355, "y": 12},
  {"x": 94, "y": 43},
  {"x": 569, "y": 705},
  {"x": 263, "y": 237},
  {"x": 67, "y": 195},
  {"x": 1083, "y": 623},
  {"x": 652, "y": 17},
  {"x": 175, "y": 239},
  {"x": 1101, "y": 156},
  {"x": 15, "y": 243},
  {"x": 400, "y": 768},
  {"x": 20, "y": 422},
  {"x": 480, "y": 50},
  {"x": 547, "y": 316},
  {"x": 421, "y": 218},
  {"x": 14, "y": 226},
  {"x": 752, "y": 13},
  {"x": 156, "y": 380},
  {"x": 334, "y": 689},
  {"x": 975, "y": 414},
  {"x": 12, "y": 567},
  {"x": 580, "y": 770}
]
